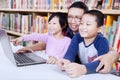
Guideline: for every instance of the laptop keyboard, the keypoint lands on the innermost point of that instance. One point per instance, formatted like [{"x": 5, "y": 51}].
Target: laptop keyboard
[{"x": 21, "y": 58}]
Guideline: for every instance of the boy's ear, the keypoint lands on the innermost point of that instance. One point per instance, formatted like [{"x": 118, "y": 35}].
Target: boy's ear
[{"x": 100, "y": 29}]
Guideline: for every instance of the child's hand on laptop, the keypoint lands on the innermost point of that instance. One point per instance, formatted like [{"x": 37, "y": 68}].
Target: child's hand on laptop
[
  {"x": 17, "y": 41},
  {"x": 51, "y": 60},
  {"x": 25, "y": 49}
]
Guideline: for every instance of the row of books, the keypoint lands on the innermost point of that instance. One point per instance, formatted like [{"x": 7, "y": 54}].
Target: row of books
[
  {"x": 23, "y": 23},
  {"x": 111, "y": 4},
  {"x": 36, "y": 4},
  {"x": 103, "y": 4},
  {"x": 57, "y": 4},
  {"x": 113, "y": 31}
]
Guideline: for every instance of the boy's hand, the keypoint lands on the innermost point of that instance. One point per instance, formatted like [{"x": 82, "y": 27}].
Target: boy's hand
[
  {"x": 51, "y": 60},
  {"x": 75, "y": 69},
  {"x": 17, "y": 41},
  {"x": 62, "y": 63},
  {"x": 25, "y": 49}
]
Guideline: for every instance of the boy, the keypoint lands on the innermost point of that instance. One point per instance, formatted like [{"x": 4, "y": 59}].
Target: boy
[{"x": 88, "y": 44}]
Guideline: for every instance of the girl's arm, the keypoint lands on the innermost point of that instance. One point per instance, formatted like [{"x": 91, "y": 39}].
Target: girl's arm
[
  {"x": 35, "y": 47},
  {"x": 33, "y": 37},
  {"x": 38, "y": 46}
]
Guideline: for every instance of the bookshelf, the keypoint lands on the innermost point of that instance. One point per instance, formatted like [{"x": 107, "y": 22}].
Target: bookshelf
[
  {"x": 32, "y": 12},
  {"x": 46, "y": 13}
]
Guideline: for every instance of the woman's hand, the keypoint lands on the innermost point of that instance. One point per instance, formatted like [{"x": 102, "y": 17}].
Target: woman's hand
[{"x": 107, "y": 61}]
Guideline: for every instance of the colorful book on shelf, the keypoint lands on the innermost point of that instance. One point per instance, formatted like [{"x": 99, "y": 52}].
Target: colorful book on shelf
[
  {"x": 35, "y": 4},
  {"x": 109, "y": 21},
  {"x": 30, "y": 4},
  {"x": 91, "y": 4},
  {"x": 108, "y": 34},
  {"x": 24, "y": 24},
  {"x": 52, "y": 4},
  {"x": 109, "y": 6},
  {"x": 117, "y": 36},
  {"x": 11, "y": 21},
  {"x": 62, "y": 4},
  {"x": 39, "y": 24},
  {"x": 48, "y": 4},
  {"x": 113, "y": 33},
  {"x": 116, "y": 4},
  {"x": 5, "y": 21},
  {"x": 46, "y": 25},
  {"x": 118, "y": 46},
  {"x": 30, "y": 23},
  {"x": 17, "y": 21}
]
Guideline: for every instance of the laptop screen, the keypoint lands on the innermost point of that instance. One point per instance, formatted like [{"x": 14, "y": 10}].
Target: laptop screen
[{"x": 6, "y": 45}]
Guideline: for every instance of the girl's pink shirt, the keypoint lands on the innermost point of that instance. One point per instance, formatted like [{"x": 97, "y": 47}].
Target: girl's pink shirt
[{"x": 54, "y": 47}]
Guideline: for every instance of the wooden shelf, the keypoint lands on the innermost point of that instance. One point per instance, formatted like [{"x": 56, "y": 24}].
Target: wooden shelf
[
  {"x": 14, "y": 33},
  {"x": 111, "y": 12},
  {"x": 32, "y": 10}
]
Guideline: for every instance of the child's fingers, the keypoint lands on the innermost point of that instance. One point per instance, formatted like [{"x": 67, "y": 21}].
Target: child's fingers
[
  {"x": 24, "y": 50},
  {"x": 15, "y": 42},
  {"x": 20, "y": 51},
  {"x": 104, "y": 70},
  {"x": 51, "y": 60}
]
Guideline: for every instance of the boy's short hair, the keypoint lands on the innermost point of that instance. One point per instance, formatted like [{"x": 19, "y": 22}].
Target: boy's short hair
[
  {"x": 99, "y": 16},
  {"x": 79, "y": 5}
]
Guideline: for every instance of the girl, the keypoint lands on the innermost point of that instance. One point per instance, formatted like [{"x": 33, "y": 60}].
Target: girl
[{"x": 56, "y": 41}]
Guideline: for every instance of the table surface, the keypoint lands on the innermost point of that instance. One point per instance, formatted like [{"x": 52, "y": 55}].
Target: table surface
[{"x": 8, "y": 71}]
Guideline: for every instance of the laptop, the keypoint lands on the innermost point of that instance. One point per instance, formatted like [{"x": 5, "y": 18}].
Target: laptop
[{"x": 21, "y": 59}]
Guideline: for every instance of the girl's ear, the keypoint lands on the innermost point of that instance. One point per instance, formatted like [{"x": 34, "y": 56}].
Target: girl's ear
[{"x": 100, "y": 29}]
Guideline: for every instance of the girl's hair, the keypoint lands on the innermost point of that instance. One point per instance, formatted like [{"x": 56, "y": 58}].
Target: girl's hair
[
  {"x": 79, "y": 5},
  {"x": 99, "y": 16},
  {"x": 62, "y": 20}
]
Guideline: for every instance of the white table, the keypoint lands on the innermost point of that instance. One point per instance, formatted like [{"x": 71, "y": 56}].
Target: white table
[{"x": 8, "y": 71}]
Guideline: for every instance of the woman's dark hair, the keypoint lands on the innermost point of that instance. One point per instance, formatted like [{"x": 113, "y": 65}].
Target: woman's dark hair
[
  {"x": 62, "y": 20},
  {"x": 99, "y": 16},
  {"x": 79, "y": 5}
]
